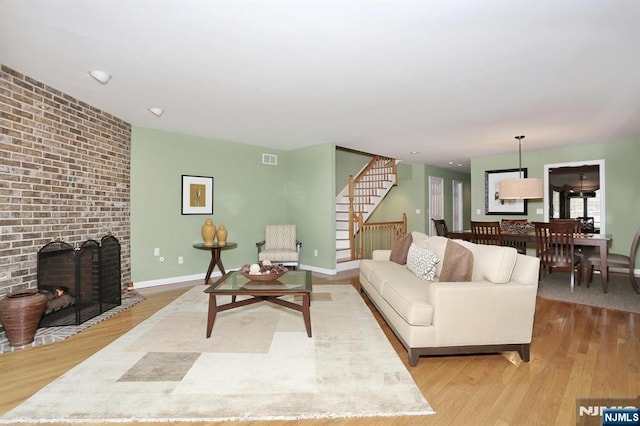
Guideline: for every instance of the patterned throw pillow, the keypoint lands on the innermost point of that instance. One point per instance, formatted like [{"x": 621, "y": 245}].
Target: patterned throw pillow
[{"x": 422, "y": 262}]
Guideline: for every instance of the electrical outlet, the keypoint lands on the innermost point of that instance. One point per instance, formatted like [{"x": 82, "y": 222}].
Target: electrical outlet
[
  {"x": 477, "y": 211},
  {"x": 156, "y": 252},
  {"x": 315, "y": 252},
  {"x": 417, "y": 211},
  {"x": 180, "y": 260},
  {"x": 539, "y": 211}
]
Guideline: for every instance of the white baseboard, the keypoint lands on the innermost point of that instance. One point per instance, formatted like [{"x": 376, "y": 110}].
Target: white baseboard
[
  {"x": 216, "y": 274},
  {"x": 318, "y": 270},
  {"x": 172, "y": 280},
  {"x": 345, "y": 266}
]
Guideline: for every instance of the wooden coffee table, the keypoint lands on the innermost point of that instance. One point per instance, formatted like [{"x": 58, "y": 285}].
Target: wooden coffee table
[{"x": 292, "y": 283}]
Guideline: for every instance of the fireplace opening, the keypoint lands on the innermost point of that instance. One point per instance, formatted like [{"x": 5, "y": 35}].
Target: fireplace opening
[{"x": 80, "y": 283}]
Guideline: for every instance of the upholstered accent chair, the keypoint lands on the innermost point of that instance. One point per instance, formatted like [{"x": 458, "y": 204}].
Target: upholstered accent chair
[{"x": 280, "y": 246}]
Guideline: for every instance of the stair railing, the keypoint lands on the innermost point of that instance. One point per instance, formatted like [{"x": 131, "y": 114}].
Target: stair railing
[
  {"x": 359, "y": 201},
  {"x": 379, "y": 236}
]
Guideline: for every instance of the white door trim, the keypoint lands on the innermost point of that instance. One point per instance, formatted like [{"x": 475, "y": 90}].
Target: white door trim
[
  {"x": 436, "y": 201},
  {"x": 603, "y": 186}
]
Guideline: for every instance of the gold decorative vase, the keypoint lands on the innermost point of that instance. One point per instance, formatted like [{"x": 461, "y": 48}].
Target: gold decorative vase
[
  {"x": 208, "y": 232},
  {"x": 222, "y": 235}
]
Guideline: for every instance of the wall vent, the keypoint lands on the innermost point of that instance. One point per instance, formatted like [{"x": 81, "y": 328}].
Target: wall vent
[{"x": 270, "y": 159}]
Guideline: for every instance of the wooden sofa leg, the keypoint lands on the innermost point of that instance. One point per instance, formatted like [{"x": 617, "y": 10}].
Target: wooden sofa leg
[{"x": 524, "y": 352}]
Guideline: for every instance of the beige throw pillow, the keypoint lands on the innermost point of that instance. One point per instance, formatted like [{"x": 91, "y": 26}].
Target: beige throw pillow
[
  {"x": 457, "y": 265},
  {"x": 400, "y": 249}
]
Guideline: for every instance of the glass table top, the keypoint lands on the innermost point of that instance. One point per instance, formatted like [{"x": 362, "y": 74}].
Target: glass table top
[{"x": 291, "y": 281}]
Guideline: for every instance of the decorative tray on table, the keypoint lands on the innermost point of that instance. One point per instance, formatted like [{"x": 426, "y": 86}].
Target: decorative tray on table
[{"x": 263, "y": 271}]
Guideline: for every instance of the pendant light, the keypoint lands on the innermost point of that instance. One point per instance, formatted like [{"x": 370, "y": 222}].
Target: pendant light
[{"x": 521, "y": 188}]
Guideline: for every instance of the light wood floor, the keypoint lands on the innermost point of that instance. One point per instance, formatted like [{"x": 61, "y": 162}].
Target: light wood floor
[{"x": 577, "y": 351}]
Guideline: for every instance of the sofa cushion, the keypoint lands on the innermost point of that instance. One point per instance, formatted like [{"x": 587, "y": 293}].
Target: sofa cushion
[
  {"x": 280, "y": 255},
  {"x": 409, "y": 298},
  {"x": 422, "y": 262},
  {"x": 383, "y": 274},
  {"x": 400, "y": 249},
  {"x": 369, "y": 266},
  {"x": 491, "y": 263},
  {"x": 457, "y": 263}
]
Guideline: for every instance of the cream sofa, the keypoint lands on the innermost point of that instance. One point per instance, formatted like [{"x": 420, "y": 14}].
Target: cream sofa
[{"x": 491, "y": 313}]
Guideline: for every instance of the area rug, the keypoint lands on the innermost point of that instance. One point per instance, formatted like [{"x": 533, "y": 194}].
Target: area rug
[
  {"x": 258, "y": 364},
  {"x": 47, "y": 335},
  {"x": 620, "y": 295}
]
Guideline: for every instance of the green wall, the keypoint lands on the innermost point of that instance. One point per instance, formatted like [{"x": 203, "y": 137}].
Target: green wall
[
  {"x": 622, "y": 175},
  {"x": 301, "y": 189},
  {"x": 449, "y": 176},
  {"x": 408, "y": 195},
  {"x": 247, "y": 196},
  {"x": 348, "y": 163},
  {"x": 311, "y": 180},
  {"x": 412, "y": 192}
]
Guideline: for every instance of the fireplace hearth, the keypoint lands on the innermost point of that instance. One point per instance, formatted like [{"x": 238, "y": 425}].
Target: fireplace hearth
[{"x": 80, "y": 283}]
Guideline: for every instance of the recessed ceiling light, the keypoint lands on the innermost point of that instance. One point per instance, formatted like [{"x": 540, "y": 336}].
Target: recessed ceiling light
[
  {"x": 157, "y": 111},
  {"x": 101, "y": 76},
  {"x": 414, "y": 152},
  {"x": 451, "y": 163}
]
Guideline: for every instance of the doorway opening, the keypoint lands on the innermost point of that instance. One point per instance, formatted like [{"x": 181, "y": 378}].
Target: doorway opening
[{"x": 576, "y": 191}]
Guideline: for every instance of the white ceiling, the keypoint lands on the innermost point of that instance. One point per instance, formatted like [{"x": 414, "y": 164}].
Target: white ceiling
[{"x": 451, "y": 79}]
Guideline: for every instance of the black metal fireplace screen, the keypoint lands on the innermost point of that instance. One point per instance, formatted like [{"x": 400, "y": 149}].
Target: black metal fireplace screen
[{"x": 80, "y": 283}]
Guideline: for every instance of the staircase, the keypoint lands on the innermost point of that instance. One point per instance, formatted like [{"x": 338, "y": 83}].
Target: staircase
[{"x": 359, "y": 199}]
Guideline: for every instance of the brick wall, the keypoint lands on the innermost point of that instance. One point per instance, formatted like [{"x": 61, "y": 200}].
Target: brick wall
[{"x": 64, "y": 174}]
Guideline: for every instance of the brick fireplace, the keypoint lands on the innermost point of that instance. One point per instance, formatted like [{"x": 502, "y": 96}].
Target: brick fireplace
[
  {"x": 64, "y": 174},
  {"x": 80, "y": 283}
]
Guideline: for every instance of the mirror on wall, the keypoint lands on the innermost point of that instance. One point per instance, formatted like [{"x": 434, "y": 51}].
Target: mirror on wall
[{"x": 576, "y": 191}]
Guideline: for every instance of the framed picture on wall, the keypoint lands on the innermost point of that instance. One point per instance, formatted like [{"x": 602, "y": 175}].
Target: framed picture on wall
[
  {"x": 197, "y": 194},
  {"x": 492, "y": 203}
]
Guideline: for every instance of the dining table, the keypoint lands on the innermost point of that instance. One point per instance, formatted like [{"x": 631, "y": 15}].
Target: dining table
[{"x": 583, "y": 240}]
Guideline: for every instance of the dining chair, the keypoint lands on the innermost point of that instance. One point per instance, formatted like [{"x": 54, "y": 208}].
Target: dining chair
[
  {"x": 486, "y": 233},
  {"x": 577, "y": 224},
  {"x": 581, "y": 252},
  {"x": 555, "y": 249},
  {"x": 518, "y": 244},
  {"x": 516, "y": 227},
  {"x": 618, "y": 261},
  {"x": 441, "y": 227}
]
